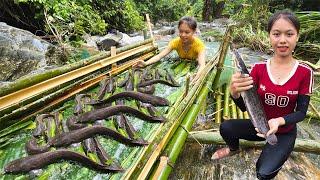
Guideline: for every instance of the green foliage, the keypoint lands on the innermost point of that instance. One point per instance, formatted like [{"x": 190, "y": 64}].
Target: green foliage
[
  {"x": 169, "y": 10},
  {"x": 121, "y": 15},
  {"x": 68, "y": 18},
  {"x": 196, "y": 9}
]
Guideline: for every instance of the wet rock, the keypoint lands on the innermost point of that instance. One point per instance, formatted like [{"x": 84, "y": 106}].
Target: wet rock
[
  {"x": 22, "y": 52},
  {"x": 109, "y": 40}
]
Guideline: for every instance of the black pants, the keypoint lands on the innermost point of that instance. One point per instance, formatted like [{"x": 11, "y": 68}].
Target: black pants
[{"x": 272, "y": 157}]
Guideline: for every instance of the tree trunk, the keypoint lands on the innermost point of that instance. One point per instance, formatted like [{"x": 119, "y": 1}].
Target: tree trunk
[{"x": 207, "y": 10}]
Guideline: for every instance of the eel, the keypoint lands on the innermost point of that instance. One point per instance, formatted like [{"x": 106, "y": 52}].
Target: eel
[
  {"x": 103, "y": 88},
  {"x": 78, "y": 109},
  {"x": 147, "y": 89},
  {"x": 104, "y": 113},
  {"x": 103, "y": 155},
  {"x": 39, "y": 161},
  {"x": 40, "y": 125},
  {"x": 253, "y": 103},
  {"x": 65, "y": 139},
  {"x": 124, "y": 82},
  {"x": 73, "y": 125},
  {"x": 170, "y": 78},
  {"x": 146, "y": 98},
  {"x": 155, "y": 81},
  {"x": 33, "y": 148}
]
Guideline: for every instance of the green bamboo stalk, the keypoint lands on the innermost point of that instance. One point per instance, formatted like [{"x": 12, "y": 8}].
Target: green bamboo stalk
[
  {"x": 234, "y": 110},
  {"x": 240, "y": 113},
  {"x": 217, "y": 116},
  {"x": 246, "y": 115},
  {"x": 34, "y": 79},
  {"x": 226, "y": 99}
]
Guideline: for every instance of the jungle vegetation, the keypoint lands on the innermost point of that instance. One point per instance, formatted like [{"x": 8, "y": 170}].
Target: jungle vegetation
[{"x": 68, "y": 20}]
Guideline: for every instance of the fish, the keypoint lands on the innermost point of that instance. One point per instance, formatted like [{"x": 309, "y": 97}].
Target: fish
[
  {"x": 147, "y": 98},
  {"x": 38, "y": 161},
  {"x": 147, "y": 89},
  {"x": 33, "y": 148},
  {"x": 253, "y": 104},
  {"x": 104, "y": 113},
  {"x": 155, "y": 81},
  {"x": 76, "y": 136}
]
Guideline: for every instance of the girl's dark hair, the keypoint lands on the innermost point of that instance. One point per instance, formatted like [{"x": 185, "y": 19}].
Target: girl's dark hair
[
  {"x": 285, "y": 14},
  {"x": 192, "y": 23}
]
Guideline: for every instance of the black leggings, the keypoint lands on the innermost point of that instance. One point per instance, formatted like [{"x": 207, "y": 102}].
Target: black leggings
[{"x": 272, "y": 157}]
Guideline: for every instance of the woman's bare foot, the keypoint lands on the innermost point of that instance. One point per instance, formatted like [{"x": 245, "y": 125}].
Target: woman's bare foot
[{"x": 222, "y": 153}]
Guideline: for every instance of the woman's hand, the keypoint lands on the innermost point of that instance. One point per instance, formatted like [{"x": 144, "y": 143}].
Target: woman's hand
[
  {"x": 240, "y": 83},
  {"x": 274, "y": 126},
  {"x": 140, "y": 64}
]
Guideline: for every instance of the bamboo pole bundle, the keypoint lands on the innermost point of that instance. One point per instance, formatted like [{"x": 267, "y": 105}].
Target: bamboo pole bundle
[
  {"x": 34, "y": 79},
  {"x": 301, "y": 145}
]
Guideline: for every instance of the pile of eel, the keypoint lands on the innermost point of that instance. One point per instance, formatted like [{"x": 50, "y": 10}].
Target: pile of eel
[{"x": 53, "y": 135}]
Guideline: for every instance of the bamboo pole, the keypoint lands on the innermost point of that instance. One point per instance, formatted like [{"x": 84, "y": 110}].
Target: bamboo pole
[
  {"x": 18, "y": 96},
  {"x": 217, "y": 116},
  {"x": 27, "y": 81},
  {"x": 301, "y": 145},
  {"x": 150, "y": 28},
  {"x": 234, "y": 110},
  {"x": 226, "y": 100}
]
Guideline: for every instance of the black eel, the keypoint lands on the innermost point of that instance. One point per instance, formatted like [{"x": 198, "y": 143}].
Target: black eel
[
  {"x": 78, "y": 109},
  {"x": 104, "y": 113},
  {"x": 39, "y": 161},
  {"x": 150, "y": 82},
  {"x": 58, "y": 123},
  {"x": 65, "y": 139},
  {"x": 103, "y": 155},
  {"x": 103, "y": 88},
  {"x": 124, "y": 81},
  {"x": 33, "y": 148},
  {"x": 170, "y": 78},
  {"x": 40, "y": 125},
  {"x": 147, "y": 89},
  {"x": 72, "y": 125},
  {"x": 89, "y": 145},
  {"x": 129, "y": 128},
  {"x": 146, "y": 98}
]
